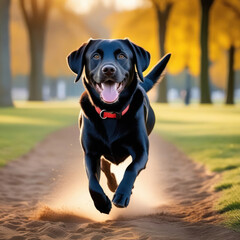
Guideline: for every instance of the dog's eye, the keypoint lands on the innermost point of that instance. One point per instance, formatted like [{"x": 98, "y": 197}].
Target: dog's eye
[
  {"x": 121, "y": 56},
  {"x": 96, "y": 56}
]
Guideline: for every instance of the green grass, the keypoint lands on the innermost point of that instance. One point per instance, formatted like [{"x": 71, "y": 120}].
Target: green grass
[
  {"x": 28, "y": 123},
  {"x": 209, "y": 135}
]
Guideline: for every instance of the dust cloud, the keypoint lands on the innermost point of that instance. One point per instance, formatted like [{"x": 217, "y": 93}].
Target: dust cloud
[{"x": 71, "y": 201}]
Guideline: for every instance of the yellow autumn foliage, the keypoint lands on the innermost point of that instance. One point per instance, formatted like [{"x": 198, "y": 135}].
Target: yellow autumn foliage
[
  {"x": 20, "y": 63},
  {"x": 65, "y": 33},
  {"x": 139, "y": 26},
  {"x": 183, "y": 35}
]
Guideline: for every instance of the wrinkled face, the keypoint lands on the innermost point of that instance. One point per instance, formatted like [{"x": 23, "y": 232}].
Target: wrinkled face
[{"x": 109, "y": 68}]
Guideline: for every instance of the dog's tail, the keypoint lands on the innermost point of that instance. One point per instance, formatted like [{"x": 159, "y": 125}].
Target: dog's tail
[{"x": 156, "y": 74}]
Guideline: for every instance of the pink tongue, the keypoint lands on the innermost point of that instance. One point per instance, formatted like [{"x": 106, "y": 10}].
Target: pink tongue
[{"x": 109, "y": 92}]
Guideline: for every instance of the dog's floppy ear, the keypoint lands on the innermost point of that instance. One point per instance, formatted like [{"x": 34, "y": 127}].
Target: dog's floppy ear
[
  {"x": 76, "y": 60},
  {"x": 141, "y": 57}
]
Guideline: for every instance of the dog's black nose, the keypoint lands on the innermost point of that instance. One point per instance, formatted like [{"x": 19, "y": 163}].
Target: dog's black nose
[{"x": 109, "y": 70}]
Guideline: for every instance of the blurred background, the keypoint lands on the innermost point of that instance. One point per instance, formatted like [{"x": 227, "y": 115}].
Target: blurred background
[{"x": 203, "y": 36}]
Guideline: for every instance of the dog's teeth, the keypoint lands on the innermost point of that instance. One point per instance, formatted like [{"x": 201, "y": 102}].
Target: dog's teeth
[
  {"x": 120, "y": 85},
  {"x": 99, "y": 87}
]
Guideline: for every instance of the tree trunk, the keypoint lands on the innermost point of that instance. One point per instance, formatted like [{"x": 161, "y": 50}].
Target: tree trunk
[
  {"x": 162, "y": 86},
  {"x": 204, "y": 78},
  {"x": 36, "y": 81},
  {"x": 162, "y": 18},
  {"x": 5, "y": 73},
  {"x": 35, "y": 17},
  {"x": 230, "y": 81},
  {"x": 187, "y": 98}
]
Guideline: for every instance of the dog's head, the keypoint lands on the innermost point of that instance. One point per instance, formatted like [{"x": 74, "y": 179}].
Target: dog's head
[{"x": 109, "y": 66}]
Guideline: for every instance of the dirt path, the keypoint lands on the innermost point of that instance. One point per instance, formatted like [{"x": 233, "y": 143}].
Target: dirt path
[{"x": 172, "y": 198}]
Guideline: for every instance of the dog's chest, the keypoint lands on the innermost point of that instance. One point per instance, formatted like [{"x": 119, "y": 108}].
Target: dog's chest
[
  {"x": 112, "y": 129},
  {"x": 112, "y": 138},
  {"x": 116, "y": 139}
]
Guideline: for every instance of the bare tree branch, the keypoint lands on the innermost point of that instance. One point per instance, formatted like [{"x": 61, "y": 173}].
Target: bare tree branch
[
  {"x": 155, "y": 4},
  {"x": 45, "y": 11},
  {"x": 165, "y": 11},
  {"x": 26, "y": 15},
  {"x": 233, "y": 8},
  {"x": 35, "y": 10},
  {"x": 168, "y": 9}
]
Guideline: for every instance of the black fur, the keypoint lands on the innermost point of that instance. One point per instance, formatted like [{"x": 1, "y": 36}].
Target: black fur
[{"x": 115, "y": 139}]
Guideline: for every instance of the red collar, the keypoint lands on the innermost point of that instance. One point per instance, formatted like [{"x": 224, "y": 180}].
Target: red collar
[{"x": 104, "y": 114}]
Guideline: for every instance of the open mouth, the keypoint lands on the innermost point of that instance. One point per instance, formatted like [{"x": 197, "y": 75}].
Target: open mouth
[{"x": 109, "y": 91}]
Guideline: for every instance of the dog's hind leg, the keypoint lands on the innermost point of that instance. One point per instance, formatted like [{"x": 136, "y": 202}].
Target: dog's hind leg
[{"x": 111, "y": 179}]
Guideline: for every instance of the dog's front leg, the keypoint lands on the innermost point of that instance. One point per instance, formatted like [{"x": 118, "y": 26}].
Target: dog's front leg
[
  {"x": 101, "y": 201},
  {"x": 122, "y": 196}
]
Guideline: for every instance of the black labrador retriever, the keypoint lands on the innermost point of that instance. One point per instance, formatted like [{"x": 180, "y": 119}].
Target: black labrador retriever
[{"x": 116, "y": 117}]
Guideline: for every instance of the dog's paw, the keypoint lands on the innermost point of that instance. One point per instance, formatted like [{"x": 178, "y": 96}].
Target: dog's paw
[
  {"x": 101, "y": 202},
  {"x": 121, "y": 200}
]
